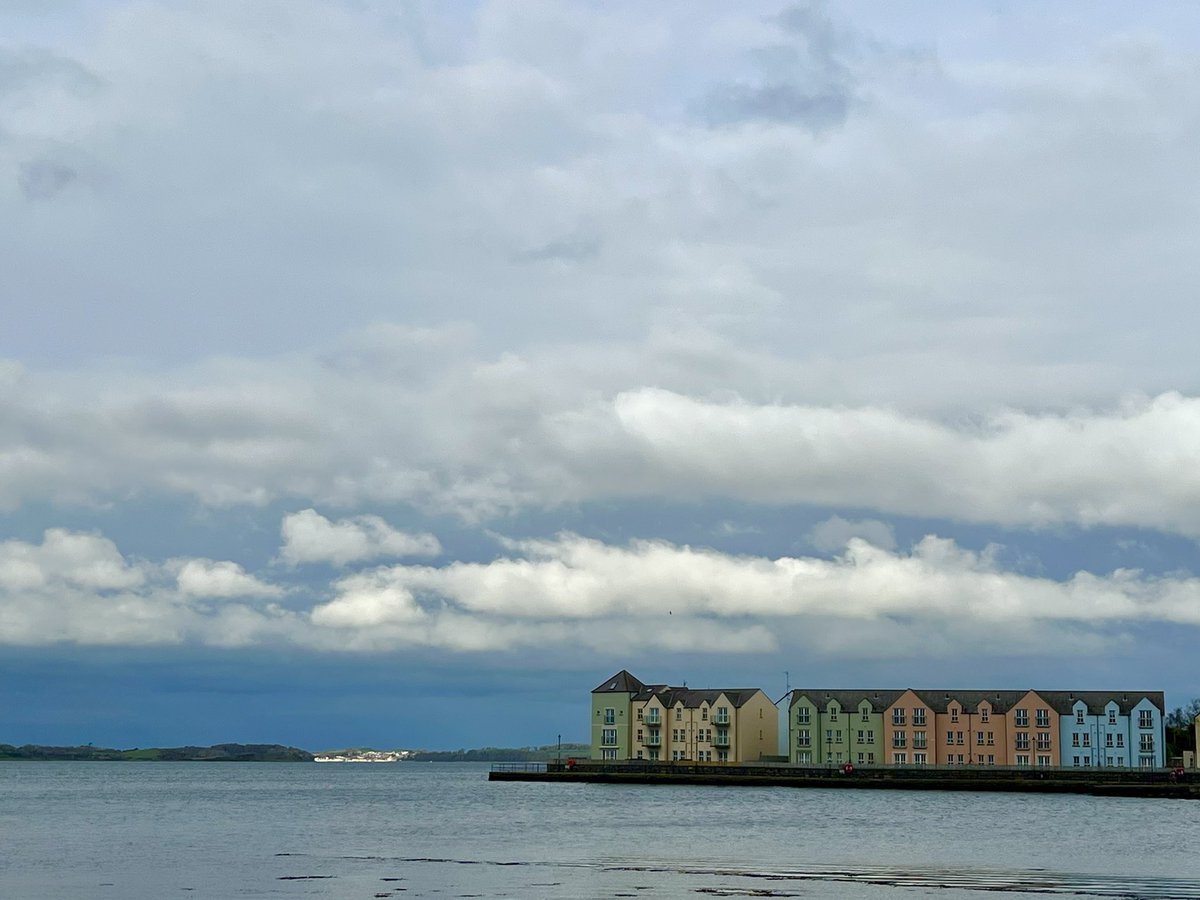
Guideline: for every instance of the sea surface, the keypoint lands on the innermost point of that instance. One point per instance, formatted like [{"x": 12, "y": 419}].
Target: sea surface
[{"x": 262, "y": 830}]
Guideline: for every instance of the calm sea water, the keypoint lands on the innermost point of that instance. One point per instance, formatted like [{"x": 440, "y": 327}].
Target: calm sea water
[{"x": 193, "y": 830}]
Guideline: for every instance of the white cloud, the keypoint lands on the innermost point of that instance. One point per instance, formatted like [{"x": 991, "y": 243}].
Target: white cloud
[
  {"x": 209, "y": 578},
  {"x": 78, "y": 588},
  {"x": 309, "y": 537},
  {"x": 583, "y": 595}
]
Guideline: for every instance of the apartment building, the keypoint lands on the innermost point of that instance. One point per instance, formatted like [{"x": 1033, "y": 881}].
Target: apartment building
[
  {"x": 1048, "y": 729},
  {"x": 659, "y": 722}
]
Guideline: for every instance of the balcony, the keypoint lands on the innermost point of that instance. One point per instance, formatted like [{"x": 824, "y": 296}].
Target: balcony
[
  {"x": 721, "y": 719},
  {"x": 654, "y": 739},
  {"x": 653, "y": 717},
  {"x": 721, "y": 739}
]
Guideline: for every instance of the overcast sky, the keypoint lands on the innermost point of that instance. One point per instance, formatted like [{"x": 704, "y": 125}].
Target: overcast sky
[{"x": 392, "y": 373}]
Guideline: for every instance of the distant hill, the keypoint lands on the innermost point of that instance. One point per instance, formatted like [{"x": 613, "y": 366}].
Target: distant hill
[
  {"x": 501, "y": 754},
  {"x": 216, "y": 753}
]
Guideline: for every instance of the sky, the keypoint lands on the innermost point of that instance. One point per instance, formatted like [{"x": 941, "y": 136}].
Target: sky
[{"x": 389, "y": 374}]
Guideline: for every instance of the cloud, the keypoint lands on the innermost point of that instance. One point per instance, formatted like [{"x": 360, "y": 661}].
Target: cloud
[
  {"x": 308, "y": 537},
  {"x": 585, "y": 596},
  {"x": 803, "y": 81},
  {"x": 660, "y": 595},
  {"x": 835, "y": 533},
  {"x": 41, "y": 179},
  {"x": 208, "y": 578},
  {"x": 78, "y": 588},
  {"x": 407, "y": 416}
]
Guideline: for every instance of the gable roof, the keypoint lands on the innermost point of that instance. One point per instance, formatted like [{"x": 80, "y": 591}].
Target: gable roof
[
  {"x": 692, "y": 698},
  {"x": 1000, "y": 701},
  {"x": 847, "y": 699},
  {"x": 621, "y": 683}
]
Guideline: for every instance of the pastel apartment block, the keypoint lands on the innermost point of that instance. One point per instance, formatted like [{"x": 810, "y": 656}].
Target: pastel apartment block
[
  {"x": 632, "y": 720},
  {"x": 1046, "y": 729}
]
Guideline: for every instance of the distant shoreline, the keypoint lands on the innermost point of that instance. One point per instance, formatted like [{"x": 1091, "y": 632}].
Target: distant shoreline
[{"x": 282, "y": 753}]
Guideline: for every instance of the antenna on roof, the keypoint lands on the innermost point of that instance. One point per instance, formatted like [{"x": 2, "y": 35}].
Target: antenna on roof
[{"x": 787, "y": 681}]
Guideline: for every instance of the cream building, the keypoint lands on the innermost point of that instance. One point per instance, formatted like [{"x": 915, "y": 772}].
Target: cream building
[{"x": 676, "y": 724}]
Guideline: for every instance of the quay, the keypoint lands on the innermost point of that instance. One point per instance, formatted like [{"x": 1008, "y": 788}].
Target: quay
[{"x": 1096, "y": 782}]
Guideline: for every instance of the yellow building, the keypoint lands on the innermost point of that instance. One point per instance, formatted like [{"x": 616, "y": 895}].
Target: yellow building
[{"x": 726, "y": 725}]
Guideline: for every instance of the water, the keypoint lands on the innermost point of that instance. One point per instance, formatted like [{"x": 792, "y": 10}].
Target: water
[{"x": 194, "y": 830}]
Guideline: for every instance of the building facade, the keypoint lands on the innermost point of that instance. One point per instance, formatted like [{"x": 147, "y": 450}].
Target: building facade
[
  {"x": 658, "y": 722},
  {"x": 1027, "y": 729}
]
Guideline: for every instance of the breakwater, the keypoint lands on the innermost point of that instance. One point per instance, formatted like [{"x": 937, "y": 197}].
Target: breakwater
[{"x": 1097, "y": 782}]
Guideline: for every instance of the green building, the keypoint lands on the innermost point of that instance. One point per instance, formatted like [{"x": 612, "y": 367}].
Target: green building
[
  {"x": 612, "y": 716},
  {"x": 832, "y": 728}
]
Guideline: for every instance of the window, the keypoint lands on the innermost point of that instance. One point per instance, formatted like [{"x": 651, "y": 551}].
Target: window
[
  {"x": 871, "y": 759},
  {"x": 803, "y": 738},
  {"x": 1079, "y": 717},
  {"x": 861, "y": 734},
  {"x": 1043, "y": 718},
  {"x": 837, "y": 736},
  {"x": 833, "y": 713},
  {"x": 991, "y": 738},
  {"x": 1087, "y": 762},
  {"x": 1145, "y": 719},
  {"x": 722, "y": 756},
  {"x": 898, "y": 715},
  {"x": 1023, "y": 741},
  {"x": 979, "y": 739},
  {"x": 1075, "y": 761},
  {"x": 1147, "y": 744},
  {"x": 639, "y": 735},
  {"x": 920, "y": 758},
  {"x": 1043, "y": 741},
  {"x": 829, "y": 735},
  {"x": 1075, "y": 739},
  {"x": 639, "y": 714},
  {"x": 1087, "y": 740},
  {"x": 950, "y": 738},
  {"x": 991, "y": 759},
  {"x": 608, "y": 736},
  {"x": 954, "y": 714},
  {"x": 862, "y": 757},
  {"x": 960, "y": 759},
  {"x": 1043, "y": 760},
  {"x": 866, "y": 714},
  {"x": 983, "y": 714},
  {"x": 679, "y": 714},
  {"x": 804, "y": 757},
  {"x": 1022, "y": 759},
  {"x": 641, "y": 754},
  {"x": 958, "y": 738},
  {"x": 704, "y": 714},
  {"x": 803, "y": 714},
  {"x": 1108, "y": 740},
  {"x": 900, "y": 759},
  {"x": 918, "y": 716},
  {"x": 1022, "y": 718},
  {"x": 899, "y": 739},
  {"x": 919, "y": 740},
  {"x": 870, "y": 737},
  {"x": 608, "y": 754},
  {"x": 1120, "y": 740},
  {"x": 1112, "y": 717},
  {"x": 610, "y": 716}
]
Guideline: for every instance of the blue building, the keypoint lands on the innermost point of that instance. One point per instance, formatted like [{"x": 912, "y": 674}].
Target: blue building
[{"x": 1109, "y": 729}]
